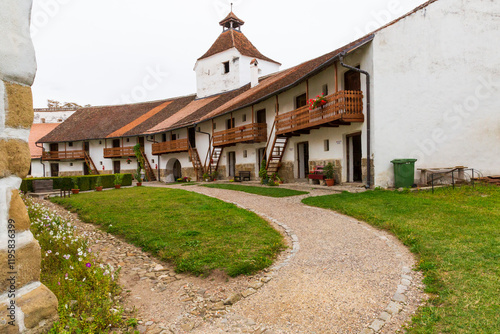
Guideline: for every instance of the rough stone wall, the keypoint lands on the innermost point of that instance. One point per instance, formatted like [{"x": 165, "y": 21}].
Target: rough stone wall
[
  {"x": 26, "y": 305},
  {"x": 337, "y": 168},
  {"x": 286, "y": 171},
  {"x": 365, "y": 173},
  {"x": 247, "y": 168}
]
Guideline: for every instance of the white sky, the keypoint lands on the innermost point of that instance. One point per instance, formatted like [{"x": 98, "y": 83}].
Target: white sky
[{"x": 100, "y": 52}]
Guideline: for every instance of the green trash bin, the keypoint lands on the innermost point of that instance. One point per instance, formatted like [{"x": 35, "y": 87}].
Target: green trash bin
[{"x": 404, "y": 172}]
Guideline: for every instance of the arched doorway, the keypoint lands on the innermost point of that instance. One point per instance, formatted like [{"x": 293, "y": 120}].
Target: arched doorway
[{"x": 173, "y": 170}]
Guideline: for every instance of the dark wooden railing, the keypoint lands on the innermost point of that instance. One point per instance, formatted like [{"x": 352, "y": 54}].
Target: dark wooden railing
[
  {"x": 254, "y": 132},
  {"x": 63, "y": 155},
  {"x": 179, "y": 145},
  {"x": 345, "y": 105},
  {"x": 118, "y": 152}
]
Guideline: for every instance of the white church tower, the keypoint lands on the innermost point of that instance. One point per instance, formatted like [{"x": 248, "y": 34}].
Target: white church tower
[{"x": 231, "y": 62}]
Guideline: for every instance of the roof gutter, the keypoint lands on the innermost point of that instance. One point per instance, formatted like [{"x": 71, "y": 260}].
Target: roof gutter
[
  {"x": 368, "y": 128},
  {"x": 41, "y": 158}
]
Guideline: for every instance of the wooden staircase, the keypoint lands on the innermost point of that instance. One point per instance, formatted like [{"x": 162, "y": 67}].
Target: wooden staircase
[
  {"x": 195, "y": 159},
  {"x": 277, "y": 151},
  {"x": 150, "y": 173},
  {"x": 214, "y": 159},
  {"x": 92, "y": 168}
]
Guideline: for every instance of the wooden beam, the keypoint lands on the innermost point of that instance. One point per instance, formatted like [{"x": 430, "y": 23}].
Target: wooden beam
[
  {"x": 252, "y": 115},
  {"x": 336, "y": 77},
  {"x": 277, "y": 105}
]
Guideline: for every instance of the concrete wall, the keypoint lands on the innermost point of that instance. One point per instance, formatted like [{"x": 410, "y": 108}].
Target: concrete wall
[{"x": 26, "y": 305}]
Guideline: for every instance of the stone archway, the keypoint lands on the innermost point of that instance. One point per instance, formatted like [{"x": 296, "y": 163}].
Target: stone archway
[{"x": 173, "y": 170}]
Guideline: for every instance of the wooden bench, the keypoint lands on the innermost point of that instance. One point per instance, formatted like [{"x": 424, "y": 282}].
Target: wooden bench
[
  {"x": 242, "y": 176},
  {"x": 317, "y": 173}
]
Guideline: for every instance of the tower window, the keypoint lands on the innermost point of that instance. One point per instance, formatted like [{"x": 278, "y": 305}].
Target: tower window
[{"x": 226, "y": 67}]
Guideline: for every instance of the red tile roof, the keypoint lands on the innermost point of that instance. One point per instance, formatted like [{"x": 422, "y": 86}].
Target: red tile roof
[
  {"x": 235, "y": 39},
  {"x": 38, "y": 131},
  {"x": 231, "y": 17}
]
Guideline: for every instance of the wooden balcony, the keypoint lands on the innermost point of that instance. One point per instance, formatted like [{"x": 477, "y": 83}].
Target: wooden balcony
[
  {"x": 342, "y": 107},
  {"x": 63, "y": 155},
  {"x": 119, "y": 152},
  {"x": 179, "y": 145},
  {"x": 250, "y": 133}
]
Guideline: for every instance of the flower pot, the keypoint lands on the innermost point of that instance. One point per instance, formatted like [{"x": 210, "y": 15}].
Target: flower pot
[
  {"x": 329, "y": 182},
  {"x": 118, "y": 186},
  {"x": 75, "y": 191},
  {"x": 139, "y": 184},
  {"x": 98, "y": 188}
]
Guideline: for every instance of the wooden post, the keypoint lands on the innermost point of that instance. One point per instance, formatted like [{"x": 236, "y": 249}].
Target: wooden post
[
  {"x": 307, "y": 90},
  {"x": 336, "y": 78},
  {"x": 277, "y": 105},
  {"x": 252, "y": 115}
]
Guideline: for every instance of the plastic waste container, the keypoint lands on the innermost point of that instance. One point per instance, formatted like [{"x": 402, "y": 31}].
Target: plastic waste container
[{"x": 404, "y": 172}]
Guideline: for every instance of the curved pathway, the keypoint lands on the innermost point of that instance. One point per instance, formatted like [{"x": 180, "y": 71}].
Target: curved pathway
[
  {"x": 339, "y": 275},
  {"x": 347, "y": 277}
]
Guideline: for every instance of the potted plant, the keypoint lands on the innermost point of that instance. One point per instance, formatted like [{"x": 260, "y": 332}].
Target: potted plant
[
  {"x": 328, "y": 173},
  {"x": 118, "y": 181},
  {"x": 75, "y": 190},
  {"x": 206, "y": 177},
  {"x": 214, "y": 175},
  {"x": 318, "y": 102},
  {"x": 98, "y": 184},
  {"x": 138, "y": 179},
  {"x": 264, "y": 178}
]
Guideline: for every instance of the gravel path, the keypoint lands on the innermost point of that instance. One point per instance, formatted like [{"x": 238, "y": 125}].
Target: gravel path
[{"x": 339, "y": 275}]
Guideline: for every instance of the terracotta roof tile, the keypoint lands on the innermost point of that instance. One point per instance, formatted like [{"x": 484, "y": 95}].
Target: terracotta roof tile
[
  {"x": 39, "y": 130},
  {"x": 235, "y": 39},
  {"x": 231, "y": 17}
]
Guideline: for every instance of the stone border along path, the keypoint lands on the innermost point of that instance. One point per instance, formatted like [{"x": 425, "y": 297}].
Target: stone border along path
[{"x": 325, "y": 290}]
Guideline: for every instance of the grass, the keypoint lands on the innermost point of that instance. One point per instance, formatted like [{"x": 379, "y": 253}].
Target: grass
[
  {"x": 263, "y": 191},
  {"x": 196, "y": 233},
  {"x": 84, "y": 289},
  {"x": 456, "y": 234}
]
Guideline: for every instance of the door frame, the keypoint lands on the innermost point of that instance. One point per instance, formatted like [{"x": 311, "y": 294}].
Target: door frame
[
  {"x": 231, "y": 169},
  {"x": 115, "y": 164},
  {"x": 303, "y": 165},
  {"x": 349, "y": 157}
]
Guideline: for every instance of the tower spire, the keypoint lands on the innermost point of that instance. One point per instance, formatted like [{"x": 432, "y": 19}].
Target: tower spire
[{"x": 231, "y": 21}]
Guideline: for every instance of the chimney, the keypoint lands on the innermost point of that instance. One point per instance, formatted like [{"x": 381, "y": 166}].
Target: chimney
[{"x": 254, "y": 73}]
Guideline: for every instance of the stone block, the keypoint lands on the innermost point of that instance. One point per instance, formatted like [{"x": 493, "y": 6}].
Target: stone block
[
  {"x": 27, "y": 266},
  {"x": 18, "y": 212},
  {"x": 39, "y": 307},
  {"x": 5, "y": 327},
  {"x": 17, "y": 53},
  {"x": 15, "y": 158},
  {"x": 19, "y": 106}
]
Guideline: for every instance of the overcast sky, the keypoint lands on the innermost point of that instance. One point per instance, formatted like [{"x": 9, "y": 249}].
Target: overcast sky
[{"x": 103, "y": 52}]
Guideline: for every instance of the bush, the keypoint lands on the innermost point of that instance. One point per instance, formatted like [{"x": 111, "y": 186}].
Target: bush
[{"x": 84, "y": 182}]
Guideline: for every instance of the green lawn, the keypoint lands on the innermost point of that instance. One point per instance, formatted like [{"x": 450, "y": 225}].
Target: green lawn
[
  {"x": 197, "y": 233},
  {"x": 263, "y": 191},
  {"x": 456, "y": 233}
]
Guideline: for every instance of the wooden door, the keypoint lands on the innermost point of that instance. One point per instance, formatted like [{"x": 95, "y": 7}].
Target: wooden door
[
  {"x": 54, "y": 147},
  {"x": 352, "y": 80},
  {"x": 141, "y": 142},
  {"x": 116, "y": 143},
  {"x": 54, "y": 170},
  {"x": 300, "y": 101},
  {"x": 261, "y": 116},
  {"x": 354, "y": 158},
  {"x": 85, "y": 168},
  {"x": 231, "y": 157},
  {"x": 192, "y": 137},
  {"x": 177, "y": 170},
  {"x": 116, "y": 167},
  {"x": 86, "y": 146},
  {"x": 303, "y": 159},
  {"x": 230, "y": 123}
]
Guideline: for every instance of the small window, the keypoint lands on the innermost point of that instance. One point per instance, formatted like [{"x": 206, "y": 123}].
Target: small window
[
  {"x": 245, "y": 153},
  {"x": 100, "y": 142},
  {"x": 173, "y": 137},
  {"x": 325, "y": 89},
  {"x": 70, "y": 144},
  {"x": 128, "y": 140},
  {"x": 244, "y": 118},
  {"x": 71, "y": 164},
  {"x": 226, "y": 67},
  {"x": 327, "y": 145},
  {"x": 43, "y": 120},
  {"x": 163, "y": 137},
  {"x": 152, "y": 161},
  {"x": 215, "y": 126}
]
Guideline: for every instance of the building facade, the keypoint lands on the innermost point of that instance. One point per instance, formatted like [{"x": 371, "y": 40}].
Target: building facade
[{"x": 433, "y": 96}]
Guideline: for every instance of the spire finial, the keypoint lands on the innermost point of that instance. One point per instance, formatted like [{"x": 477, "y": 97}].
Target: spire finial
[{"x": 231, "y": 6}]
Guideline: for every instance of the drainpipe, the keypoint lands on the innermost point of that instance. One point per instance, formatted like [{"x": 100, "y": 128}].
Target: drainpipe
[
  {"x": 41, "y": 158},
  {"x": 368, "y": 128},
  {"x": 209, "y": 145}
]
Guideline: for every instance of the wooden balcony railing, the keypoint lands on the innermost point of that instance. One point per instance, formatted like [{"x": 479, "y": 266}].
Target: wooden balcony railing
[
  {"x": 250, "y": 133},
  {"x": 63, "y": 155},
  {"x": 119, "y": 152},
  {"x": 179, "y": 145},
  {"x": 345, "y": 106}
]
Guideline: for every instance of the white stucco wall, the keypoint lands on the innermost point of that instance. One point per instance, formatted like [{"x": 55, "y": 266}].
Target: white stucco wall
[
  {"x": 52, "y": 116},
  {"x": 437, "y": 79}
]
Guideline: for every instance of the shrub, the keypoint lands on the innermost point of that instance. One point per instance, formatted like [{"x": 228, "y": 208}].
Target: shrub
[
  {"x": 328, "y": 171},
  {"x": 118, "y": 179},
  {"x": 85, "y": 182}
]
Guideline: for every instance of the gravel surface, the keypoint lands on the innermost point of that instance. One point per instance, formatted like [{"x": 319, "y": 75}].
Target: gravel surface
[{"x": 339, "y": 275}]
